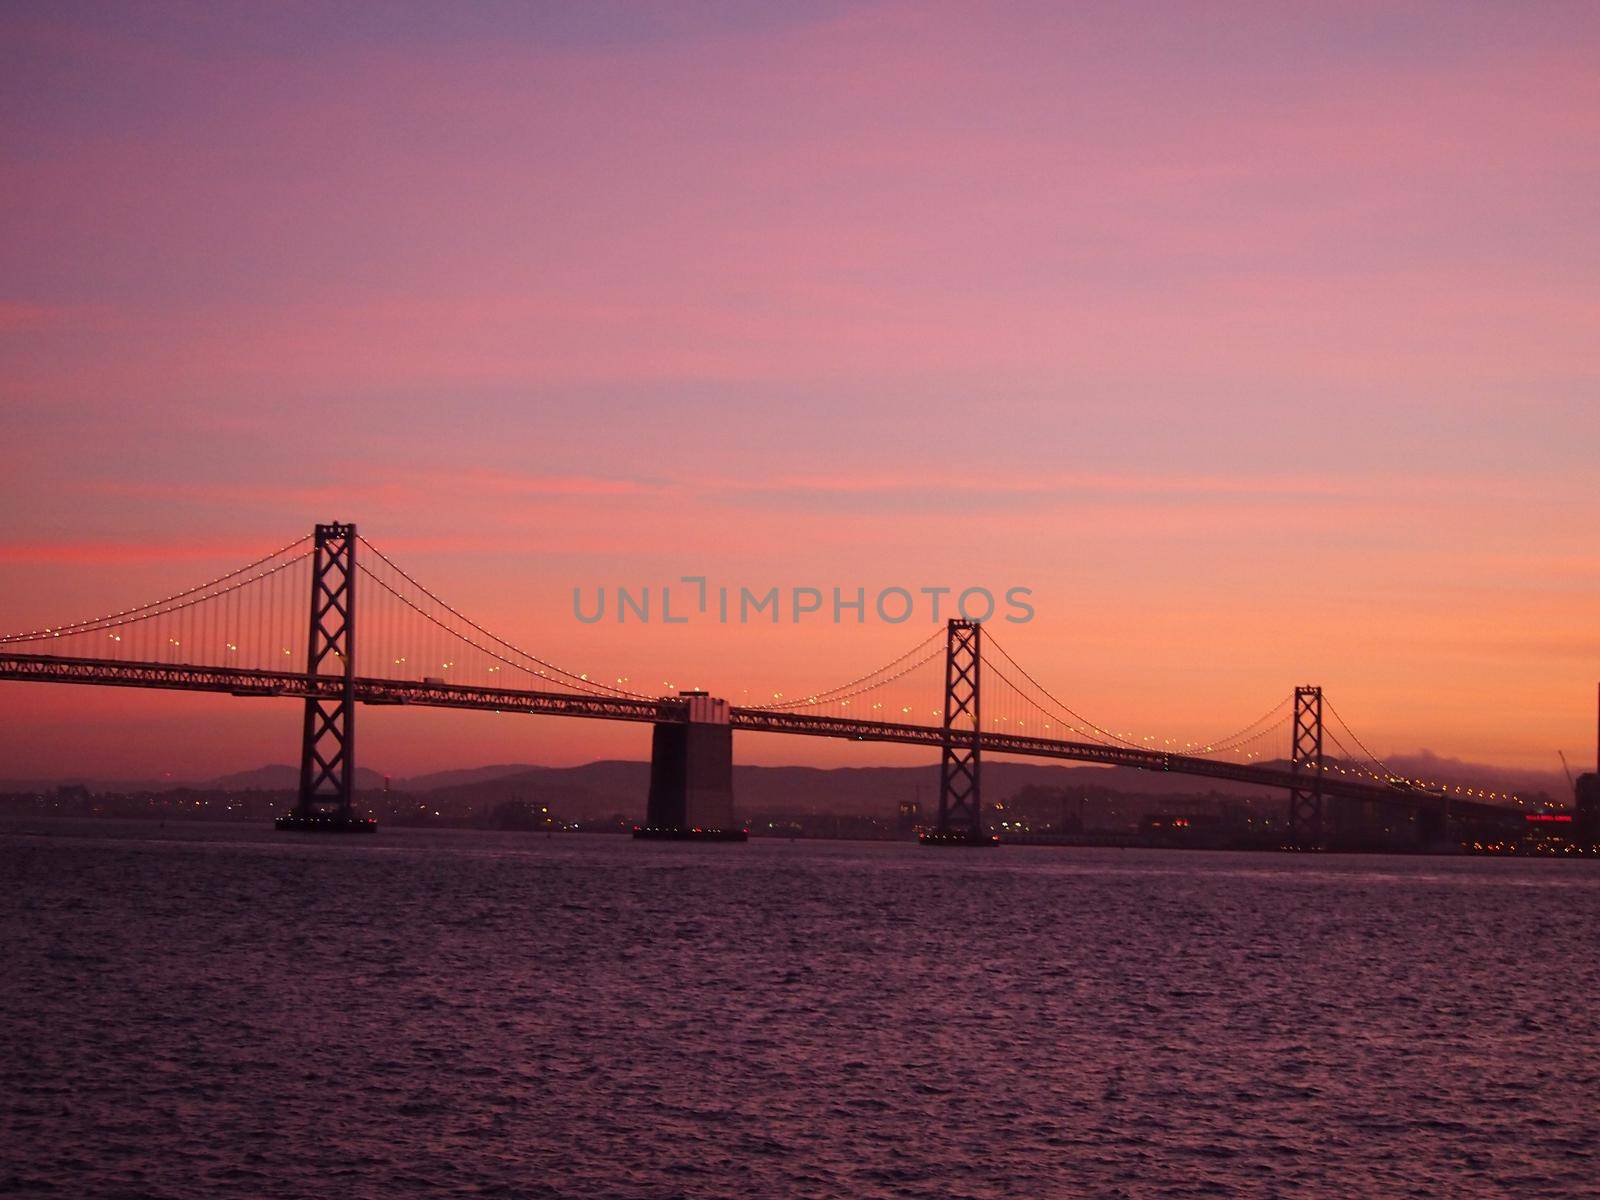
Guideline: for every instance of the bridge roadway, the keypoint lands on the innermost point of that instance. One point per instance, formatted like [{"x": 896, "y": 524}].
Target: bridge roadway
[{"x": 45, "y": 668}]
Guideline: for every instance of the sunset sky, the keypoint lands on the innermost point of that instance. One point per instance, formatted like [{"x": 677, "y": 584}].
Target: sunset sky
[{"x": 1261, "y": 341}]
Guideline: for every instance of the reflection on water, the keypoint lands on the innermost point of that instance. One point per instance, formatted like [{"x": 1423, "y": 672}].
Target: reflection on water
[{"x": 195, "y": 1011}]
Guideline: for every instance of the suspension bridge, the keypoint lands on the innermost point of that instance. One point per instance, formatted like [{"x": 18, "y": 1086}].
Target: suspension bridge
[{"x": 958, "y": 692}]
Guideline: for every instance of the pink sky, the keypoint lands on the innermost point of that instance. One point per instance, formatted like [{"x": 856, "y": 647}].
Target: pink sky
[{"x": 1259, "y": 340}]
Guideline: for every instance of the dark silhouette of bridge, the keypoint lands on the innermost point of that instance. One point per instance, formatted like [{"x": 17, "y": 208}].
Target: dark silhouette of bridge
[{"x": 235, "y": 635}]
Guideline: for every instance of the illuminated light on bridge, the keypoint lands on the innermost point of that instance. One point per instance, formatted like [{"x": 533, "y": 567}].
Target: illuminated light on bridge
[{"x": 232, "y": 634}]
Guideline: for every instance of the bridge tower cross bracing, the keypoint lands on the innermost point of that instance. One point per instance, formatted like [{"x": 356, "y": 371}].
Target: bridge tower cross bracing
[
  {"x": 1306, "y": 827},
  {"x": 328, "y": 745},
  {"x": 960, "y": 766}
]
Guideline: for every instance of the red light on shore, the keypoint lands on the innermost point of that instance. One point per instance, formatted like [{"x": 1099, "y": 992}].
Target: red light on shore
[{"x": 1565, "y": 818}]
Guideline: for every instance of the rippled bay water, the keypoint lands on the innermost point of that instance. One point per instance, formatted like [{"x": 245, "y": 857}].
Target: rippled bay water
[{"x": 201, "y": 1011}]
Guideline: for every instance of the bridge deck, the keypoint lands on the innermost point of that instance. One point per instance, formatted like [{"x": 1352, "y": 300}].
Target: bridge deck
[{"x": 245, "y": 682}]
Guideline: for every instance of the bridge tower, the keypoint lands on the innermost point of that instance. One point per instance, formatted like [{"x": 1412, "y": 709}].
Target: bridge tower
[
  {"x": 1586, "y": 798},
  {"x": 960, "y": 765},
  {"x": 1305, "y": 763},
  {"x": 327, "y": 745}
]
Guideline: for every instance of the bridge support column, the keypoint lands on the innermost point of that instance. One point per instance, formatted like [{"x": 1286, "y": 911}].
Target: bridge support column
[
  {"x": 1305, "y": 763},
  {"x": 691, "y": 776},
  {"x": 327, "y": 744},
  {"x": 1433, "y": 823},
  {"x": 960, "y": 763}
]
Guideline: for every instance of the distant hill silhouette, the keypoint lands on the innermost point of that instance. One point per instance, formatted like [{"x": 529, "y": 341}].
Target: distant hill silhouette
[
  {"x": 601, "y": 789},
  {"x": 447, "y": 779},
  {"x": 279, "y": 777},
  {"x": 615, "y": 786}
]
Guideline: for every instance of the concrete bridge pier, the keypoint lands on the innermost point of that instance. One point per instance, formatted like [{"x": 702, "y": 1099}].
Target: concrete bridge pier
[
  {"x": 1433, "y": 823},
  {"x": 691, "y": 776}
]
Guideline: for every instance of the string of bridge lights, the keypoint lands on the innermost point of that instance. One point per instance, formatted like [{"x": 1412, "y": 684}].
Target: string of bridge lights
[
  {"x": 1082, "y": 720},
  {"x": 578, "y": 680},
  {"x": 823, "y": 700},
  {"x": 1351, "y": 766},
  {"x": 1008, "y": 682},
  {"x": 492, "y": 636},
  {"x": 155, "y": 610},
  {"x": 842, "y": 692},
  {"x": 84, "y": 626},
  {"x": 1240, "y": 738},
  {"x": 1234, "y": 742},
  {"x": 1371, "y": 757}
]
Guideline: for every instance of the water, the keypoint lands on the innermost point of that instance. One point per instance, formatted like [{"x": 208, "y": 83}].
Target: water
[{"x": 203, "y": 1011}]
